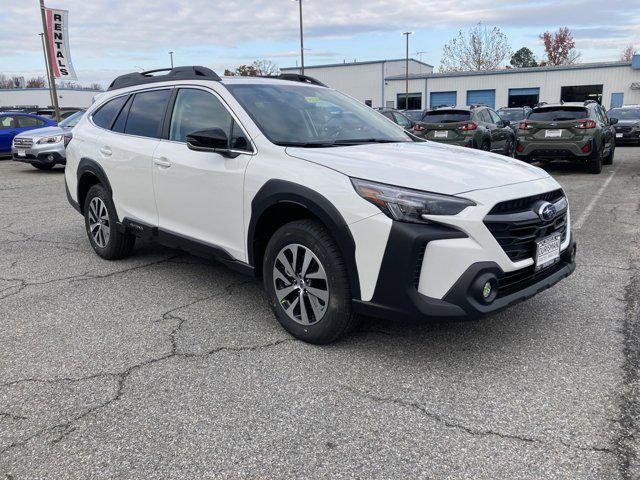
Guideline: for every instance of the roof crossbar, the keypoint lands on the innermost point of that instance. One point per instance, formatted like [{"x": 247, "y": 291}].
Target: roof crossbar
[{"x": 177, "y": 73}]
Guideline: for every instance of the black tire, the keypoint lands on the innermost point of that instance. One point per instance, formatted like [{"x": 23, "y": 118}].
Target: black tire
[
  {"x": 510, "y": 148},
  {"x": 338, "y": 318},
  {"x": 118, "y": 245},
  {"x": 608, "y": 160},
  {"x": 43, "y": 166},
  {"x": 594, "y": 164},
  {"x": 486, "y": 146}
]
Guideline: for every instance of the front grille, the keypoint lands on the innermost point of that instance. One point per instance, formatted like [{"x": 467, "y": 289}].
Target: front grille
[
  {"x": 517, "y": 227},
  {"x": 623, "y": 129},
  {"x": 524, "y": 204},
  {"x": 511, "y": 282},
  {"x": 23, "y": 142}
]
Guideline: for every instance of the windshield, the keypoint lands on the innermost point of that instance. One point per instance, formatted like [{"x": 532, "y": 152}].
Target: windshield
[
  {"x": 512, "y": 115},
  {"x": 414, "y": 115},
  {"x": 307, "y": 116},
  {"x": 71, "y": 120},
  {"x": 557, "y": 114},
  {"x": 447, "y": 116},
  {"x": 625, "y": 113}
]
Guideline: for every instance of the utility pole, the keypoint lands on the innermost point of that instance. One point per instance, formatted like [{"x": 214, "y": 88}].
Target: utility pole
[
  {"x": 171, "y": 55},
  {"x": 46, "y": 64},
  {"x": 406, "y": 98},
  {"x": 52, "y": 81},
  {"x": 301, "y": 40}
]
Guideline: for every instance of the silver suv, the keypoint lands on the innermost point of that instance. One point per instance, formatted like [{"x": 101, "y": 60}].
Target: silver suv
[{"x": 45, "y": 148}]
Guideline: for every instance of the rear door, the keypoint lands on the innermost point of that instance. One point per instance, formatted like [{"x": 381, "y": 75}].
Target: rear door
[
  {"x": 200, "y": 194},
  {"x": 608, "y": 131},
  {"x": 8, "y": 130},
  {"x": 499, "y": 134}
]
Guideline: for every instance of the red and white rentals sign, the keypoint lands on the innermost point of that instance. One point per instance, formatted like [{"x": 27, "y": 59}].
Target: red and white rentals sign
[{"x": 58, "y": 37}]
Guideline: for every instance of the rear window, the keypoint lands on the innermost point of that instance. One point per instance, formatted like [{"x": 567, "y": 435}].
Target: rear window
[
  {"x": 106, "y": 113},
  {"x": 625, "y": 113},
  {"x": 447, "y": 116},
  {"x": 558, "y": 114},
  {"x": 414, "y": 115},
  {"x": 512, "y": 115}
]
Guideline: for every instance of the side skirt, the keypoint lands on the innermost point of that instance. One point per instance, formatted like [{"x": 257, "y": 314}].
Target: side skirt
[{"x": 189, "y": 245}]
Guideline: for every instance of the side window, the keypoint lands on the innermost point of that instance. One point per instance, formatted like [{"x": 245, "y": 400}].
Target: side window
[
  {"x": 402, "y": 120},
  {"x": 483, "y": 116},
  {"x": 238, "y": 139},
  {"x": 197, "y": 110},
  {"x": 389, "y": 115},
  {"x": 147, "y": 112},
  {"x": 26, "y": 121},
  {"x": 8, "y": 122},
  {"x": 495, "y": 118},
  {"x": 104, "y": 116},
  {"x": 121, "y": 119}
]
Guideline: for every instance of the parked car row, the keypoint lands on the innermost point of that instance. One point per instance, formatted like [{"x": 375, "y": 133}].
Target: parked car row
[{"x": 14, "y": 123}]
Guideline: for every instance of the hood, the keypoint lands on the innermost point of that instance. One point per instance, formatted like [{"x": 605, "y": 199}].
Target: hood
[
  {"x": 427, "y": 166},
  {"x": 42, "y": 132},
  {"x": 632, "y": 123}
]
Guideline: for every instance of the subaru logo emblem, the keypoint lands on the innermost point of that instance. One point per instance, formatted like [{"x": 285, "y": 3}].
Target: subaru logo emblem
[{"x": 546, "y": 211}]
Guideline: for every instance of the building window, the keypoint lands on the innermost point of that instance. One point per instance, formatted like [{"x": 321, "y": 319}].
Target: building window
[
  {"x": 580, "y": 93},
  {"x": 415, "y": 101},
  {"x": 368, "y": 103},
  {"x": 523, "y": 97}
]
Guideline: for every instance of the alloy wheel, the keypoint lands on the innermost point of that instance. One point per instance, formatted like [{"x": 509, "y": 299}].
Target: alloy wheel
[
  {"x": 99, "y": 225},
  {"x": 301, "y": 284}
]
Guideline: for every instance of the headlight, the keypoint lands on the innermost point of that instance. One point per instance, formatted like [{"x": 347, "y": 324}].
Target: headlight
[
  {"x": 52, "y": 139},
  {"x": 406, "y": 205}
]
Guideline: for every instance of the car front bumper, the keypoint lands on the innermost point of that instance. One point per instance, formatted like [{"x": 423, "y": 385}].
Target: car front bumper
[{"x": 52, "y": 154}]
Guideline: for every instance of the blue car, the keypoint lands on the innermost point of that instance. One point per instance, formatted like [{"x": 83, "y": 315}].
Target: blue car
[{"x": 13, "y": 123}]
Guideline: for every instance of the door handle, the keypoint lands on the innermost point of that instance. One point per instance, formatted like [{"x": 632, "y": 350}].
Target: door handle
[
  {"x": 106, "y": 151},
  {"x": 162, "y": 162}
]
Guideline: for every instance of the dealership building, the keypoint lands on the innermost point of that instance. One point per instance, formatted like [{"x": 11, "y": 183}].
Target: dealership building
[{"x": 382, "y": 83}]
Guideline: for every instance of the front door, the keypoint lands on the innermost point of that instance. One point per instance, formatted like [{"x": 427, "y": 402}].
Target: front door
[{"x": 199, "y": 194}]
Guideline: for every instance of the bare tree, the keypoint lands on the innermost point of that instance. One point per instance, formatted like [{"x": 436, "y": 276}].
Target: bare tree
[
  {"x": 36, "y": 82},
  {"x": 628, "y": 53},
  {"x": 478, "y": 48},
  {"x": 257, "y": 69},
  {"x": 560, "y": 47}
]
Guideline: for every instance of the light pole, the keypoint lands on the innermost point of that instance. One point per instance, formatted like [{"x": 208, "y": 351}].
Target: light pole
[
  {"x": 301, "y": 40},
  {"x": 171, "y": 55},
  {"x": 406, "y": 97}
]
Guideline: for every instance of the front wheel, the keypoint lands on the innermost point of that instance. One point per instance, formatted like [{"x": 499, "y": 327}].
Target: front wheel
[
  {"x": 101, "y": 224},
  {"x": 307, "y": 284}
]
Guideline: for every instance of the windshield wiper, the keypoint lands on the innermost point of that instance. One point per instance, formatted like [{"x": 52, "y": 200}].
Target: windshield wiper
[
  {"x": 306, "y": 144},
  {"x": 358, "y": 141}
]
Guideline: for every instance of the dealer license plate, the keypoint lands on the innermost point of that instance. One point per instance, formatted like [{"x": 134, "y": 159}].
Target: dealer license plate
[
  {"x": 441, "y": 134},
  {"x": 22, "y": 153},
  {"x": 618, "y": 135},
  {"x": 552, "y": 133},
  {"x": 548, "y": 251}
]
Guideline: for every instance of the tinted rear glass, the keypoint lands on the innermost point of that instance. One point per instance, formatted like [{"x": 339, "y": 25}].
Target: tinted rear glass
[
  {"x": 146, "y": 113},
  {"x": 625, "y": 113},
  {"x": 558, "y": 114},
  {"x": 414, "y": 115},
  {"x": 511, "y": 115},
  {"x": 105, "y": 114},
  {"x": 447, "y": 116}
]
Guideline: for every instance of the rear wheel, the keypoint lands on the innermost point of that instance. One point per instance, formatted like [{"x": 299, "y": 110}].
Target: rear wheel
[
  {"x": 609, "y": 158},
  {"x": 306, "y": 281},
  {"x": 594, "y": 164},
  {"x": 486, "y": 146},
  {"x": 510, "y": 148},
  {"x": 101, "y": 224}
]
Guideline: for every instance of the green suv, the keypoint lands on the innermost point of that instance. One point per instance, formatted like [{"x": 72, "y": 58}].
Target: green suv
[
  {"x": 579, "y": 132},
  {"x": 476, "y": 126}
]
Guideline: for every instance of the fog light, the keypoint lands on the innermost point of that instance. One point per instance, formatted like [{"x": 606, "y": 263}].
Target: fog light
[
  {"x": 586, "y": 148},
  {"x": 485, "y": 288}
]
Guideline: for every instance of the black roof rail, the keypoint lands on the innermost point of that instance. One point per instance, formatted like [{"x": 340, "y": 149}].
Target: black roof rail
[
  {"x": 296, "y": 77},
  {"x": 177, "y": 73}
]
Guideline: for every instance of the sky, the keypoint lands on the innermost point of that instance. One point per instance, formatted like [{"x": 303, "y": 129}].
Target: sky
[{"x": 111, "y": 37}]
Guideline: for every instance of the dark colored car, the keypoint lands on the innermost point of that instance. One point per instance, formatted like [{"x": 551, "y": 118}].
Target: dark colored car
[
  {"x": 628, "y": 126},
  {"x": 475, "y": 126},
  {"x": 579, "y": 132},
  {"x": 13, "y": 123},
  {"x": 397, "y": 117},
  {"x": 514, "y": 115}
]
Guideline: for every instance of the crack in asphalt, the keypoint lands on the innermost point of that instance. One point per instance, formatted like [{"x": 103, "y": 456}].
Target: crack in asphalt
[
  {"x": 12, "y": 416},
  {"x": 67, "y": 427},
  {"x": 482, "y": 432}
]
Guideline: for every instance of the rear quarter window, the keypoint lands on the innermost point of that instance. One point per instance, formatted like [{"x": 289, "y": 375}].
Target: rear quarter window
[
  {"x": 558, "y": 114},
  {"x": 103, "y": 117}
]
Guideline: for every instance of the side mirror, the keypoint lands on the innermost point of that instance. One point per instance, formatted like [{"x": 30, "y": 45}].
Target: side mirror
[
  {"x": 210, "y": 140},
  {"x": 613, "y": 120}
]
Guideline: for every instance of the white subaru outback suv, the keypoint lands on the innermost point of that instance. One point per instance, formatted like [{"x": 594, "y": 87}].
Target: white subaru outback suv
[{"x": 336, "y": 208}]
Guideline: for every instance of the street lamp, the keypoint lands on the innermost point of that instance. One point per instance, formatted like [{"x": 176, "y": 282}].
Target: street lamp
[
  {"x": 301, "y": 40},
  {"x": 406, "y": 98},
  {"x": 171, "y": 55}
]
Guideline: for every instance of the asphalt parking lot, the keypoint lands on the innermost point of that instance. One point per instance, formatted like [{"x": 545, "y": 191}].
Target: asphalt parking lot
[{"x": 166, "y": 366}]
